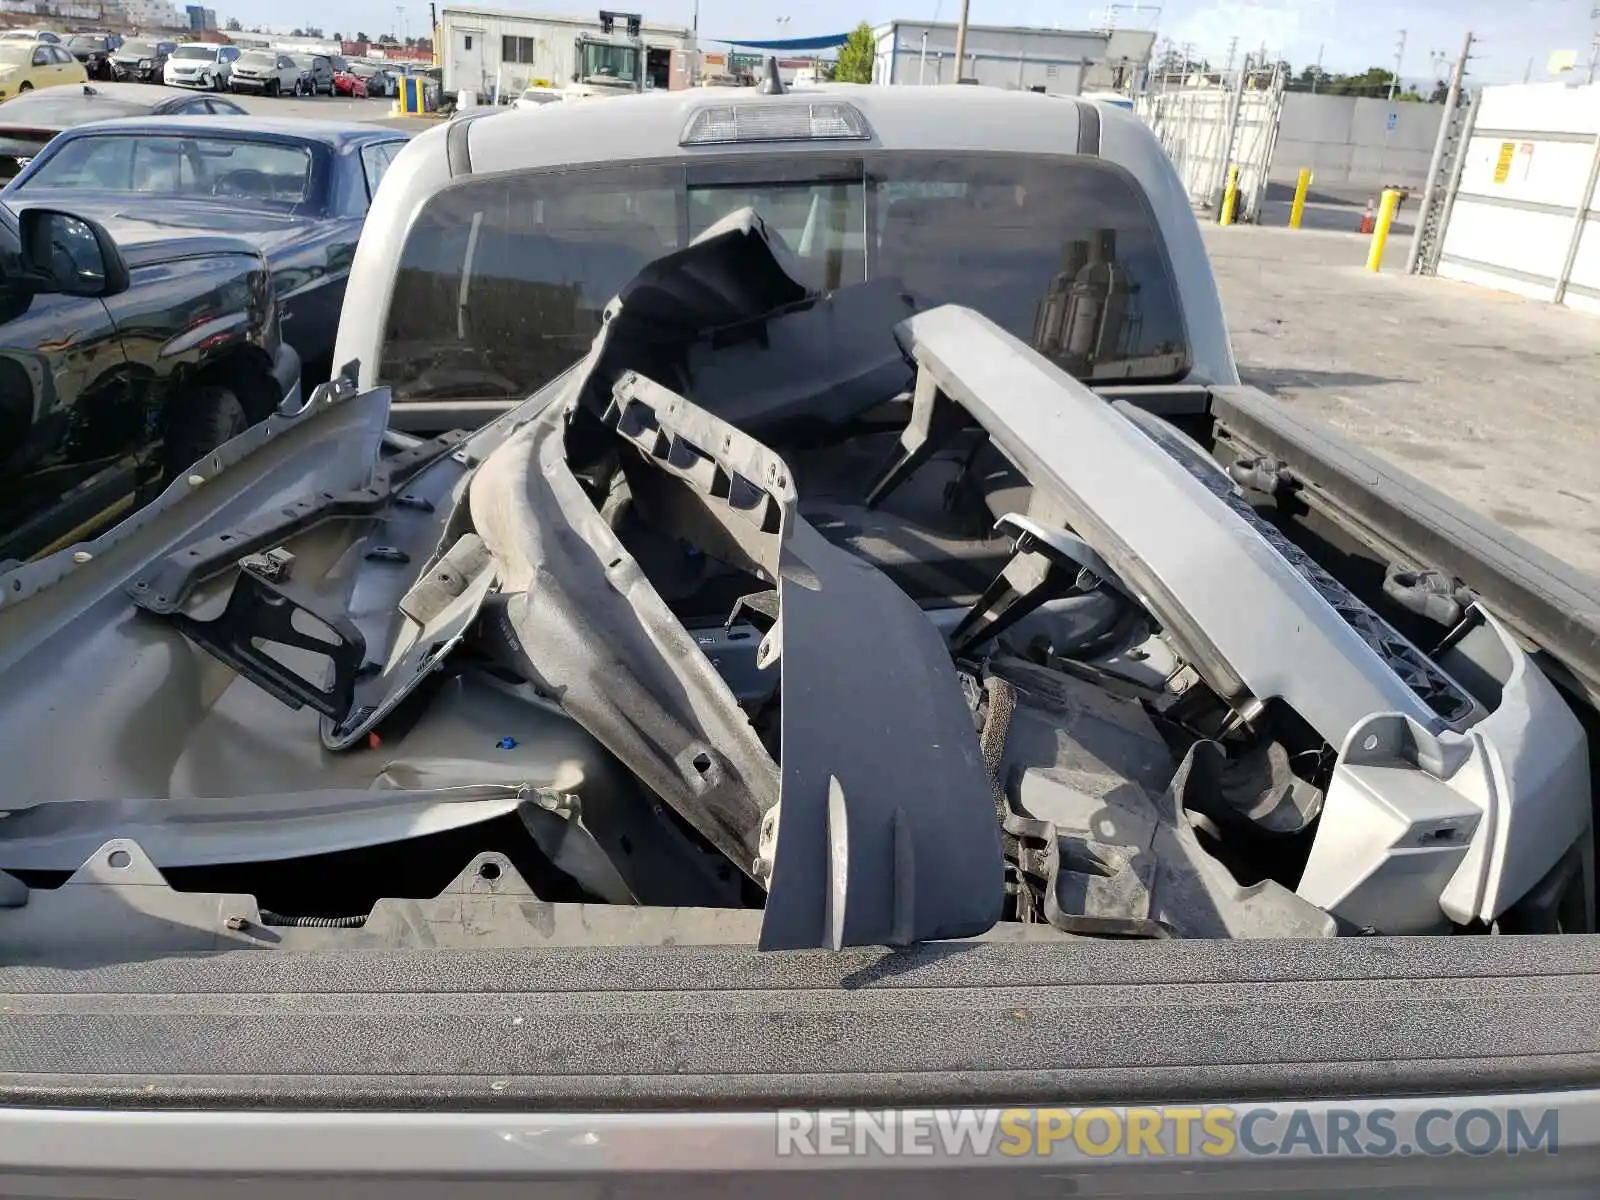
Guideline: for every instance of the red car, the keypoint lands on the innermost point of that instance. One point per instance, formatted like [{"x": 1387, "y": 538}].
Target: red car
[{"x": 346, "y": 84}]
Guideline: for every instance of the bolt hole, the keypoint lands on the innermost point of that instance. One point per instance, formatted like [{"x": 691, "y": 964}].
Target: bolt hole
[
  {"x": 489, "y": 871},
  {"x": 701, "y": 762},
  {"x": 119, "y": 859}
]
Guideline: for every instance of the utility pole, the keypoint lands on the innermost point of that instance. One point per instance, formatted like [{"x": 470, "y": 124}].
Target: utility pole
[
  {"x": 694, "y": 46},
  {"x": 1233, "y": 46},
  {"x": 1430, "y": 194},
  {"x": 961, "y": 41},
  {"x": 1230, "y": 132},
  {"x": 1316, "y": 72},
  {"x": 1399, "y": 62},
  {"x": 1594, "y": 46}
]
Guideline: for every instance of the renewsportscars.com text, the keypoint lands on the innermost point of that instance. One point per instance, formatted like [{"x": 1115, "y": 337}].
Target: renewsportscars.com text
[{"x": 1205, "y": 1131}]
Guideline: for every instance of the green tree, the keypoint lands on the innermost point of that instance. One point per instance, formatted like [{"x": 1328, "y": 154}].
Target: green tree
[
  {"x": 234, "y": 25},
  {"x": 857, "y": 56}
]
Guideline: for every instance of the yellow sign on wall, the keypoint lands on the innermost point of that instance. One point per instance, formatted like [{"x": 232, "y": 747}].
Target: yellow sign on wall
[{"x": 1502, "y": 166}]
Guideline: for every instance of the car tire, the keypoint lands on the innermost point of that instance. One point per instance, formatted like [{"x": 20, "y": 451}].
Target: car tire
[
  {"x": 274, "y": 88},
  {"x": 197, "y": 423},
  {"x": 26, "y": 87}
]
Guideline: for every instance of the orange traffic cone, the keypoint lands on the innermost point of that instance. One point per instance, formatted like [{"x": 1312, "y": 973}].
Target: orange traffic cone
[{"x": 1369, "y": 219}]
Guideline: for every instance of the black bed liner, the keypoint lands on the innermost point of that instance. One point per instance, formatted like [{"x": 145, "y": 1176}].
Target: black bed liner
[{"x": 675, "y": 1027}]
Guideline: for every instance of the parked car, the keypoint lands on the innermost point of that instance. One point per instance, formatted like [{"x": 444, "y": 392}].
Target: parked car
[
  {"x": 201, "y": 65},
  {"x": 297, "y": 190},
  {"x": 29, "y": 122},
  {"x": 141, "y": 61},
  {"x": 94, "y": 51},
  {"x": 266, "y": 72},
  {"x": 381, "y": 81},
  {"x": 31, "y": 35},
  {"x": 127, "y": 351},
  {"x": 316, "y": 74},
  {"x": 27, "y": 66},
  {"x": 347, "y": 83}
]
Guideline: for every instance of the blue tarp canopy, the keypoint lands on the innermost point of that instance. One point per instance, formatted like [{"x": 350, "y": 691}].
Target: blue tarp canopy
[{"x": 806, "y": 43}]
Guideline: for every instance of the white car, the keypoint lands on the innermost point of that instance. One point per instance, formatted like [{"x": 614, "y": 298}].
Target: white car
[
  {"x": 537, "y": 97},
  {"x": 201, "y": 65},
  {"x": 31, "y": 35},
  {"x": 268, "y": 72}
]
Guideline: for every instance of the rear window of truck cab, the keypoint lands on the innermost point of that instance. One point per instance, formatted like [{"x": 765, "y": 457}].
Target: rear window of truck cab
[{"x": 503, "y": 279}]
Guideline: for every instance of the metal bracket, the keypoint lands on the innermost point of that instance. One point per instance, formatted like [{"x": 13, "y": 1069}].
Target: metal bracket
[
  {"x": 1070, "y": 564},
  {"x": 935, "y": 421},
  {"x": 166, "y": 586},
  {"x": 260, "y": 613}
]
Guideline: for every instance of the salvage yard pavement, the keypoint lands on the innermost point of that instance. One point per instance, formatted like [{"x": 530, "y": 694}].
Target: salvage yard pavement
[
  {"x": 332, "y": 108},
  {"x": 1488, "y": 397}
]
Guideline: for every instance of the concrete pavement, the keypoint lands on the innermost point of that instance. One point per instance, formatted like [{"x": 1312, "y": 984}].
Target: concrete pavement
[
  {"x": 331, "y": 108},
  {"x": 1489, "y": 397}
]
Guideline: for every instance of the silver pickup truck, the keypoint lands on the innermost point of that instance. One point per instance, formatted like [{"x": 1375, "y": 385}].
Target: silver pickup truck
[{"x": 786, "y": 648}]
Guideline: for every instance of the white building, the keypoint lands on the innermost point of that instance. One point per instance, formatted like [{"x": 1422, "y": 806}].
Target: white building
[
  {"x": 1013, "y": 56},
  {"x": 492, "y": 51},
  {"x": 155, "y": 14}
]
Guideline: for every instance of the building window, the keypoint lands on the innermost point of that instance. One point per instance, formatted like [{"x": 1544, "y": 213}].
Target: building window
[
  {"x": 466, "y": 42},
  {"x": 517, "y": 49}
]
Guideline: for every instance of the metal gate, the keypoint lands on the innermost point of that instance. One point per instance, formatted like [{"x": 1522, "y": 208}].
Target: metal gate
[
  {"x": 1438, "y": 197},
  {"x": 1205, "y": 130}
]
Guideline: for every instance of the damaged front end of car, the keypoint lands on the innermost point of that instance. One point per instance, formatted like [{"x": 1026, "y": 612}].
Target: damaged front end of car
[{"x": 800, "y": 619}]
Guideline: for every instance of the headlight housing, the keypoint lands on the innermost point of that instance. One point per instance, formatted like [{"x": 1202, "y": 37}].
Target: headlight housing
[{"x": 145, "y": 64}]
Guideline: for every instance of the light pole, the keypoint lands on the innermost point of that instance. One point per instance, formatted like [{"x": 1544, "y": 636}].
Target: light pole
[
  {"x": 961, "y": 42},
  {"x": 1399, "y": 60}
]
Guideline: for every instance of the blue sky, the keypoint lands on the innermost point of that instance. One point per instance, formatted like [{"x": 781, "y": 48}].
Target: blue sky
[{"x": 1354, "y": 34}]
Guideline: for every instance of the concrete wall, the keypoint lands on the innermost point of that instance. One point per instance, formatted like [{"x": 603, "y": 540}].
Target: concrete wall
[
  {"x": 1347, "y": 142},
  {"x": 1526, "y": 198},
  {"x": 1059, "y": 61}
]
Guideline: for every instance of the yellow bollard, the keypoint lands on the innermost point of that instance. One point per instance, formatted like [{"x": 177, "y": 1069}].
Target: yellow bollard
[
  {"x": 1380, "y": 231},
  {"x": 1230, "y": 197},
  {"x": 1298, "y": 212}
]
